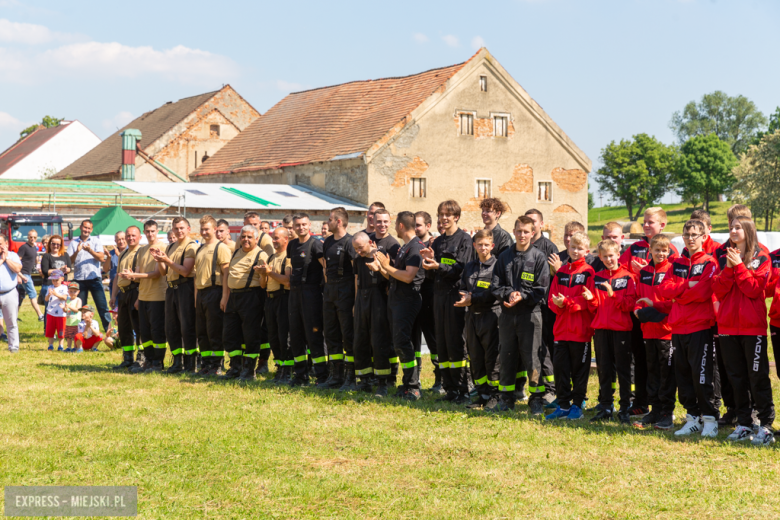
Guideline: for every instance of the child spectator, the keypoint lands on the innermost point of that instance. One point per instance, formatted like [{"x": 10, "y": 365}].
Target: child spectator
[
  {"x": 616, "y": 294},
  {"x": 55, "y": 309},
  {"x": 652, "y": 311},
  {"x": 742, "y": 323},
  {"x": 572, "y": 300},
  {"x": 72, "y": 315},
  {"x": 88, "y": 336},
  {"x": 708, "y": 246}
]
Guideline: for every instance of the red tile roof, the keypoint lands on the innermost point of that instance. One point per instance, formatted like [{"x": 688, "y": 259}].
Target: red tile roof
[
  {"x": 28, "y": 145},
  {"x": 320, "y": 124}
]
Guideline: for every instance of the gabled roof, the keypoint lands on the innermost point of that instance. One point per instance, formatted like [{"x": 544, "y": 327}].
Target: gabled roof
[
  {"x": 320, "y": 124},
  {"x": 107, "y": 156},
  {"x": 28, "y": 145}
]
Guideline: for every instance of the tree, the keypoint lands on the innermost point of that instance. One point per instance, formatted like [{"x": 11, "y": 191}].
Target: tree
[
  {"x": 735, "y": 120},
  {"x": 774, "y": 125},
  {"x": 758, "y": 178},
  {"x": 590, "y": 201},
  {"x": 704, "y": 166},
  {"x": 637, "y": 172},
  {"x": 47, "y": 121}
]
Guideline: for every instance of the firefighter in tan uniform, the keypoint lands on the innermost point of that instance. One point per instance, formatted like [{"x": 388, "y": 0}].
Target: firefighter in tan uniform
[
  {"x": 276, "y": 282},
  {"x": 124, "y": 294}
]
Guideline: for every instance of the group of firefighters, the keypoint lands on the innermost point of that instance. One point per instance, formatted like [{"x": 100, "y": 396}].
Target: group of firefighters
[{"x": 350, "y": 312}]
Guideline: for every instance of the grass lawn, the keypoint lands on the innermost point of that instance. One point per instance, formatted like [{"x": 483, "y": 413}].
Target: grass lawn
[{"x": 207, "y": 449}]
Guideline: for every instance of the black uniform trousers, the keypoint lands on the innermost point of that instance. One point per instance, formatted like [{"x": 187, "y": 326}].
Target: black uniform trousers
[
  {"x": 661, "y": 383},
  {"x": 451, "y": 347},
  {"x": 240, "y": 323},
  {"x": 265, "y": 344},
  {"x": 482, "y": 343},
  {"x": 520, "y": 337},
  {"x": 613, "y": 357},
  {"x": 338, "y": 301},
  {"x": 747, "y": 366},
  {"x": 180, "y": 318},
  {"x": 151, "y": 323},
  {"x": 372, "y": 334},
  {"x": 572, "y": 366},
  {"x": 128, "y": 326},
  {"x": 426, "y": 325},
  {"x": 209, "y": 320},
  {"x": 278, "y": 320},
  {"x": 404, "y": 308},
  {"x": 639, "y": 363},
  {"x": 696, "y": 372},
  {"x": 775, "y": 333},
  {"x": 726, "y": 392},
  {"x": 305, "y": 311}
]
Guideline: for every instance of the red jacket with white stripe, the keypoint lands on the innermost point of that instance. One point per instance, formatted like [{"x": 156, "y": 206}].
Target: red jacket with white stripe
[
  {"x": 740, "y": 292},
  {"x": 650, "y": 279},
  {"x": 614, "y": 313},
  {"x": 640, "y": 250},
  {"x": 692, "y": 309},
  {"x": 773, "y": 289},
  {"x": 573, "y": 321}
]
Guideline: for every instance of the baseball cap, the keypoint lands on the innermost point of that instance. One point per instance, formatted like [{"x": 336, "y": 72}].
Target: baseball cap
[
  {"x": 56, "y": 274},
  {"x": 87, "y": 308},
  {"x": 73, "y": 285}
]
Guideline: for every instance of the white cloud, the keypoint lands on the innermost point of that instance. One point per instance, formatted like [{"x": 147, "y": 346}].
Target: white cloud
[
  {"x": 419, "y": 38},
  {"x": 118, "y": 121},
  {"x": 31, "y": 34},
  {"x": 9, "y": 121},
  {"x": 451, "y": 40},
  {"x": 477, "y": 42},
  {"x": 288, "y": 86}
]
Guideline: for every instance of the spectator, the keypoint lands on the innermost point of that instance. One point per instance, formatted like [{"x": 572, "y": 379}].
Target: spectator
[
  {"x": 10, "y": 266},
  {"x": 112, "y": 261},
  {"x": 54, "y": 259},
  {"x": 86, "y": 254},
  {"x": 28, "y": 254}
]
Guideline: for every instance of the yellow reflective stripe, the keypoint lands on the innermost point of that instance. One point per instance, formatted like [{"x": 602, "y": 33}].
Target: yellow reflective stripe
[
  {"x": 308, "y": 352},
  {"x": 252, "y": 356},
  {"x": 383, "y": 372},
  {"x": 549, "y": 379},
  {"x": 161, "y": 345},
  {"x": 177, "y": 351},
  {"x": 191, "y": 352},
  {"x": 278, "y": 363},
  {"x": 300, "y": 359},
  {"x": 614, "y": 385},
  {"x": 235, "y": 353},
  {"x": 349, "y": 359},
  {"x": 365, "y": 371},
  {"x": 492, "y": 383},
  {"x": 434, "y": 357},
  {"x": 522, "y": 374},
  {"x": 264, "y": 346},
  {"x": 410, "y": 364},
  {"x": 448, "y": 261},
  {"x": 126, "y": 349},
  {"x": 336, "y": 357},
  {"x": 288, "y": 363},
  {"x": 220, "y": 353},
  {"x": 633, "y": 388},
  {"x": 457, "y": 364},
  {"x": 206, "y": 353},
  {"x": 444, "y": 364},
  {"x": 243, "y": 346},
  {"x": 147, "y": 344},
  {"x": 318, "y": 360},
  {"x": 508, "y": 388},
  {"x": 393, "y": 360},
  {"x": 480, "y": 381}
]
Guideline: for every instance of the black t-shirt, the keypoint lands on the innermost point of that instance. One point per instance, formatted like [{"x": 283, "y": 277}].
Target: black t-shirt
[
  {"x": 409, "y": 255},
  {"x": 339, "y": 253},
  {"x": 28, "y": 255},
  {"x": 296, "y": 252},
  {"x": 368, "y": 278},
  {"x": 50, "y": 261}
]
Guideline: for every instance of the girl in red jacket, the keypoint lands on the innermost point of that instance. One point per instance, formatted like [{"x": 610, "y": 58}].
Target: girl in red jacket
[
  {"x": 739, "y": 287},
  {"x": 571, "y": 299}
]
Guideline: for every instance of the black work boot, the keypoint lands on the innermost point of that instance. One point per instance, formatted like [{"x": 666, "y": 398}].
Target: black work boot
[
  {"x": 284, "y": 379},
  {"x": 437, "y": 387},
  {"x": 364, "y": 385},
  {"x": 156, "y": 366},
  {"x": 277, "y": 375},
  {"x": 249, "y": 370},
  {"x": 205, "y": 366},
  {"x": 262, "y": 366},
  {"x": 141, "y": 363},
  {"x": 127, "y": 361},
  {"x": 338, "y": 375},
  {"x": 350, "y": 383},
  {"x": 178, "y": 365},
  {"x": 217, "y": 366},
  {"x": 190, "y": 363},
  {"x": 324, "y": 385},
  {"x": 234, "y": 372}
]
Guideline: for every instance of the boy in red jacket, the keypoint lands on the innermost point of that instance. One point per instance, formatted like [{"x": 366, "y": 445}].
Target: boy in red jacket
[
  {"x": 708, "y": 245},
  {"x": 572, "y": 300},
  {"x": 616, "y": 293},
  {"x": 652, "y": 311},
  {"x": 689, "y": 286}
]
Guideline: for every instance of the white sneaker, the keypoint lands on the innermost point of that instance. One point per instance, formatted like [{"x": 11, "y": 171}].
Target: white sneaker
[
  {"x": 740, "y": 433},
  {"x": 764, "y": 437},
  {"x": 710, "y": 426},
  {"x": 692, "y": 425}
]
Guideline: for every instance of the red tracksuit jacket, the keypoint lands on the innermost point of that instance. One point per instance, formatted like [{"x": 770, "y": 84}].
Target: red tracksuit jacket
[
  {"x": 740, "y": 292},
  {"x": 614, "y": 313},
  {"x": 640, "y": 250},
  {"x": 709, "y": 246},
  {"x": 720, "y": 250},
  {"x": 771, "y": 290},
  {"x": 650, "y": 279},
  {"x": 573, "y": 321},
  {"x": 692, "y": 309}
]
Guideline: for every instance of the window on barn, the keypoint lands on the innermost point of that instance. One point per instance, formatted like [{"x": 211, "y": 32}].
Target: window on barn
[
  {"x": 500, "y": 126},
  {"x": 544, "y": 191},
  {"x": 214, "y": 130},
  {"x": 482, "y": 190},
  {"x": 483, "y": 83},
  {"x": 466, "y": 124},
  {"x": 417, "y": 186}
]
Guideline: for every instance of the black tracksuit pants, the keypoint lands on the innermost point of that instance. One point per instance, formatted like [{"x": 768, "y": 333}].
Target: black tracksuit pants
[
  {"x": 305, "y": 311},
  {"x": 613, "y": 358},
  {"x": 372, "y": 334},
  {"x": 265, "y": 344},
  {"x": 548, "y": 339},
  {"x": 726, "y": 392},
  {"x": 128, "y": 326},
  {"x": 240, "y": 322},
  {"x": 775, "y": 333},
  {"x": 426, "y": 325},
  {"x": 209, "y": 323},
  {"x": 404, "y": 308},
  {"x": 180, "y": 318},
  {"x": 572, "y": 366},
  {"x": 747, "y": 366},
  {"x": 278, "y": 319},
  {"x": 151, "y": 320},
  {"x": 482, "y": 343},
  {"x": 639, "y": 364},
  {"x": 661, "y": 383},
  {"x": 338, "y": 301},
  {"x": 696, "y": 372},
  {"x": 520, "y": 337},
  {"x": 451, "y": 348}
]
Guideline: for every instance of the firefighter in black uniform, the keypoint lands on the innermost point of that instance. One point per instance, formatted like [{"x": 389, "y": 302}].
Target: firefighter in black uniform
[
  {"x": 212, "y": 260},
  {"x": 176, "y": 265},
  {"x": 275, "y": 279},
  {"x": 265, "y": 243},
  {"x": 482, "y": 313},
  {"x": 124, "y": 296},
  {"x": 242, "y": 302},
  {"x": 404, "y": 301},
  {"x": 305, "y": 302},
  {"x": 388, "y": 245},
  {"x": 447, "y": 258},
  {"x": 492, "y": 209},
  {"x": 425, "y": 319}
]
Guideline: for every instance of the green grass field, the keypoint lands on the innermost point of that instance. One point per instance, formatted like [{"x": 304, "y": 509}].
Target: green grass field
[{"x": 208, "y": 449}]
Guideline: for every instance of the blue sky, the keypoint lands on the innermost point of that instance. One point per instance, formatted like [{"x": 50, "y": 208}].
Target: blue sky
[{"x": 603, "y": 70}]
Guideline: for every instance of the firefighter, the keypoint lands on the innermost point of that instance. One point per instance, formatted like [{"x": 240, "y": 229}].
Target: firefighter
[
  {"x": 176, "y": 265},
  {"x": 388, "y": 245},
  {"x": 425, "y": 319},
  {"x": 276, "y": 282},
  {"x": 265, "y": 243},
  {"x": 124, "y": 294},
  {"x": 242, "y": 302}
]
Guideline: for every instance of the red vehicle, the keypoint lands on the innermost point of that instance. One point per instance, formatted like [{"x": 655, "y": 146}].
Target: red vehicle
[{"x": 15, "y": 227}]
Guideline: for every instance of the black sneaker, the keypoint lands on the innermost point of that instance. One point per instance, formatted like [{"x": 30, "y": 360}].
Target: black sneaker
[
  {"x": 412, "y": 395},
  {"x": 728, "y": 419},
  {"x": 624, "y": 417},
  {"x": 596, "y": 409},
  {"x": 638, "y": 411},
  {"x": 536, "y": 407},
  {"x": 491, "y": 404},
  {"x": 648, "y": 420},
  {"x": 461, "y": 399},
  {"x": 603, "y": 415},
  {"x": 666, "y": 422},
  {"x": 504, "y": 406}
]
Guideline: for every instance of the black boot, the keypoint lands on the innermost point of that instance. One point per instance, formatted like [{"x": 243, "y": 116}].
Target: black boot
[
  {"x": 206, "y": 366},
  {"x": 325, "y": 385},
  {"x": 190, "y": 363},
  {"x": 141, "y": 363},
  {"x": 364, "y": 385},
  {"x": 127, "y": 361},
  {"x": 178, "y": 365},
  {"x": 338, "y": 375},
  {"x": 262, "y": 366},
  {"x": 234, "y": 372},
  {"x": 277, "y": 375},
  {"x": 350, "y": 384},
  {"x": 437, "y": 388},
  {"x": 156, "y": 366},
  {"x": 248, "y": 370}
]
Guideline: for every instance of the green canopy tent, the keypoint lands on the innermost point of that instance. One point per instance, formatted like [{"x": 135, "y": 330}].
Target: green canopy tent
[{"x": 108, "y": 221}]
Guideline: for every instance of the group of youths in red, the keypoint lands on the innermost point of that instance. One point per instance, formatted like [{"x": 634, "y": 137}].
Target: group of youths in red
[{"x": 664, "y": 322}]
